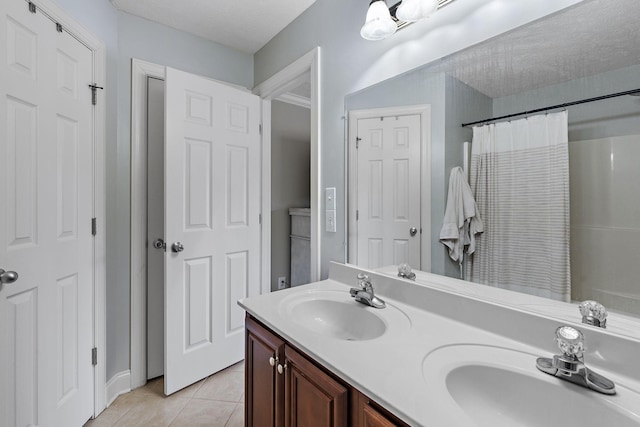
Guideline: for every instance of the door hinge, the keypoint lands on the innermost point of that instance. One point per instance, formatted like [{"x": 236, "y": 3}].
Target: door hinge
[
  {"x": 260, "y": 128},
  {"x": 260, "y": 219},
  {"x": 58, "y": 27},
  {"x": 94, "y": 93},
  {"x": 94, "y": 356},
  {"x": 357, "y": 215},
  {"x": 94, "y": 226},
  {"x": 358, "y": 139},
  {"x": 32, "y": 7}
]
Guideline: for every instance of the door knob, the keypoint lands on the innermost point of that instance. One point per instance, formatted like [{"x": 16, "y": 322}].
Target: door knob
[
  {"x": 8, "y": 276},
  {"x": 177, "y": 247},
  {"x": 413, "y": 231},
  {"x": 159, "y": 244}
]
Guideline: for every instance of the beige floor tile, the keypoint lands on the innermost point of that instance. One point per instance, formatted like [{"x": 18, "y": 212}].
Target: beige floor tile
[
  {"x": 99, "y": 422},
  {"x": 152, "y": 410},
  {"x": 110, "y": 416},
  {"x": 204, "y": 413},
  {"x": 156, "y": 387},
  {"x": 237, "y": 418},
  {"x": 237, "y": 367},
  {"x": 226, "y": 385}
]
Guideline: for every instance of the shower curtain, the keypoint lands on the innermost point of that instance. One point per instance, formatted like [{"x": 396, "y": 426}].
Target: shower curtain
[{"x": 520, "y": 179}]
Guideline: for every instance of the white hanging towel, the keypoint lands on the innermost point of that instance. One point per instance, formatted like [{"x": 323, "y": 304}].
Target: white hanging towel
[{"x": 461, "y": 218}]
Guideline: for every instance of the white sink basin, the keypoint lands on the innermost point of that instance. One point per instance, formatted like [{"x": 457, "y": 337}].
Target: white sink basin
[
  {"x": 336, "y": 315},
  {"x": 348, "y": 321},
  {"x": 492, "y": 386}
]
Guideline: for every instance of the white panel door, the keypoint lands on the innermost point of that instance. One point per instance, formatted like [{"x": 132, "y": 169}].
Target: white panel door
[
  {"x": 388, "y": 191},
  {"x": 212, "y": 197},
  {"x": 46, "y": 169}
]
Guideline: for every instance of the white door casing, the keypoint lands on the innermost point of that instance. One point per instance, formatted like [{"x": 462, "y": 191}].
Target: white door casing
[
  {"x": 46, "y": 149},
  {"x": 212, "y": 207},
  {"x": 270, "y": 89}
]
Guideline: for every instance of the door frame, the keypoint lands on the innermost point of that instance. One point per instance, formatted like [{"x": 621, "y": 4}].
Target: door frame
[
  {"x": 424, "y": 111},
  {"x": 269, "y": 90},
  {"x": 99, "y": 54},
  {"x": 140, "y": 71}
]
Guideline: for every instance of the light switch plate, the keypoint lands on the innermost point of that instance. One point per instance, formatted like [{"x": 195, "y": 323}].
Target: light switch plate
[
  {"x": 330, "y": 221},
  {"x": 330, "y": 199}
]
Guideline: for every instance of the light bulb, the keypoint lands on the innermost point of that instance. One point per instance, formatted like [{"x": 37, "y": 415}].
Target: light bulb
[{"x": 378, "y": 24}]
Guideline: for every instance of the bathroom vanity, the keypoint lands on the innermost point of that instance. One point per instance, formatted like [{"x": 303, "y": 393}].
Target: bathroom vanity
[
  {"x": 289, "y": 388},
  {"x": 436, "y": 355}
]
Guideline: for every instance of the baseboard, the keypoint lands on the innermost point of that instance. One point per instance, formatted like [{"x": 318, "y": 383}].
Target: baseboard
[{"x": 119, "y": 384}]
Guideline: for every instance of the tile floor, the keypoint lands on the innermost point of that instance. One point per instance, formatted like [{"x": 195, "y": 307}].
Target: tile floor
[{"x": 217, "y": 401}]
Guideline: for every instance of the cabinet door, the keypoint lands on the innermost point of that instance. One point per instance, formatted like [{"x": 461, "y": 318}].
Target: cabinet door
[
  {"x": 312, "y": 398},
  {"x": 373, "y": 418},
  {"x": 264, "y": 387},
  {"x": 368, "y": 414}
]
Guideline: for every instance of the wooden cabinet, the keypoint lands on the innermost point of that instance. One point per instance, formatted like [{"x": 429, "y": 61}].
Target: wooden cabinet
[
  {"x": 370, "y": 415},
  {"x": 283, "y": 387},
  {"x": 264, "y": 387},
  {"x": 312, "y": 398}
]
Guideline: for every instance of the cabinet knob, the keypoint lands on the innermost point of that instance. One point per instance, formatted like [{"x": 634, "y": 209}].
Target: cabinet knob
[
  {"x": 281, "y": 368},
  {"x": 273, "y": 361}
]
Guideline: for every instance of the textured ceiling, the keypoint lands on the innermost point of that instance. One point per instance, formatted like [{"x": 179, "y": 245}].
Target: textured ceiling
[
  {"x": 593, "y": 37},
  {"x": 246, "y": 25}
]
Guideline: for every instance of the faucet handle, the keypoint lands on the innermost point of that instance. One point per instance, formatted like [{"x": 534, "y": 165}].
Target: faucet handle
[
  {"x": 570, "y": 341},
  {"x": 363, "y": 280},
  {"x": 404, "y": 271},
  {"x": 593, "y": 313}
]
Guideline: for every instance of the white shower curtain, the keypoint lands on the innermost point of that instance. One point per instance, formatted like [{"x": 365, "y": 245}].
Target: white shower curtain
[{"x": 520, "y": 180}]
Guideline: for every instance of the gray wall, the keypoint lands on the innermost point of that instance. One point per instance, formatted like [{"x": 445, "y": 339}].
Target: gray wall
[
  {"x": 127, "y": 36},
  {"x": 612, "y": 117},
  {"x": 290, "y": 180},
  {"x": 349, "y": 63}
]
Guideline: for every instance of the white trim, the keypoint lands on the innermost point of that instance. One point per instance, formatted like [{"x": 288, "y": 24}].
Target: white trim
[
  {"x": 140, "y": 71},
  {"x": 99, "y": 53},
  {"x": 270, "y": 89},
  {"x": 265, "y": 197},
  {"x": 425, "y": 174},
  {"x": 292, "y": 98},
  {"x": 119, "y": 384}
]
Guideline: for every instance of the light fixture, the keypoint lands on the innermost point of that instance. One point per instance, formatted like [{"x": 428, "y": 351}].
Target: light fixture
[
  {"x": 378, "y": 24},
  {"x": 415, "y": 10}
]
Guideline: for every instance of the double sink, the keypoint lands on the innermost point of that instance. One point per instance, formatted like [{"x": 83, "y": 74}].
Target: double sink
[
  {"x": 492, "y": 386},
  {"x": 473, "y": 382}
]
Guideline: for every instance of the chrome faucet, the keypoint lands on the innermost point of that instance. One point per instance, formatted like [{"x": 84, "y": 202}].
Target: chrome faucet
[
  {"x": 593, "y": 313},
  {"x": 364, "y": 293},
  {"x": 570, "y": 365},
  {"x": 404, "y": 271}
]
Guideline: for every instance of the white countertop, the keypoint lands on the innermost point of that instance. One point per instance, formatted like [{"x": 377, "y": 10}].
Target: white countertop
[{"x": 398, "y": 369}]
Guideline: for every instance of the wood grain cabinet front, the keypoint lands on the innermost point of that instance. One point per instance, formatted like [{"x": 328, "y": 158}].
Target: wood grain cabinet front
[
  {"x": 312, "y": 398},
  {"x": 285, "y": 388},
  {"x": 264, "y": 387}
]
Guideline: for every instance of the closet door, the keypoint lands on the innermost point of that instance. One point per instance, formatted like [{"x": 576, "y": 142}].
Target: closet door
[{"x": 46, "y": 176}]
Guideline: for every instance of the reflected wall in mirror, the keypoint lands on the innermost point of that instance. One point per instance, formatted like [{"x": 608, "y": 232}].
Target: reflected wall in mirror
[{"x": 589, "y": 50}]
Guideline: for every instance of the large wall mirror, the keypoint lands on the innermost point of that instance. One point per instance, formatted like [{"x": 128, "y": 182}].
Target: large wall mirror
[{"x": 586, "y": 51}]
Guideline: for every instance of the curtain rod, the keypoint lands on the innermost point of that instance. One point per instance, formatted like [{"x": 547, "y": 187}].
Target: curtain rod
[{"x": 553, "y": 107}]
